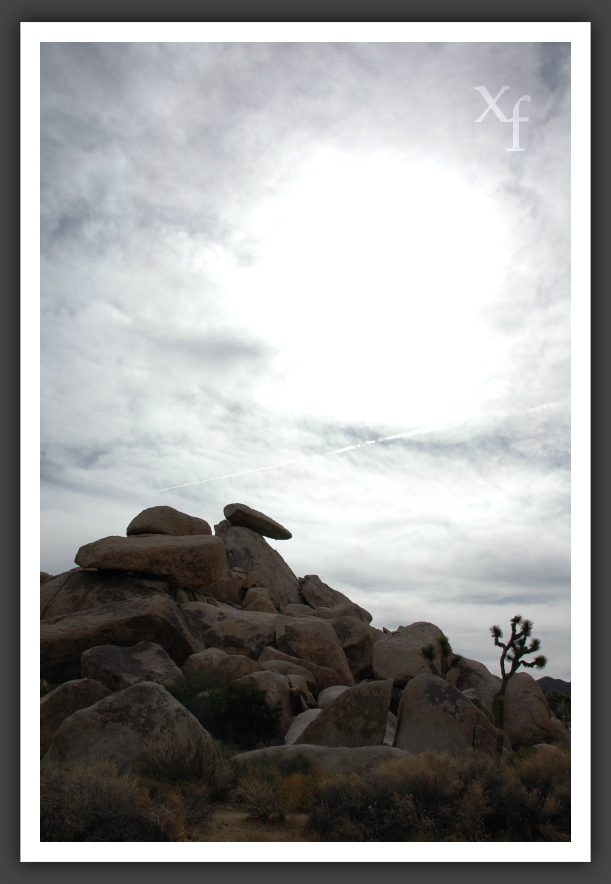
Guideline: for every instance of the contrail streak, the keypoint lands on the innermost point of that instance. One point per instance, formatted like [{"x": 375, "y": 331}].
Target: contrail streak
[
  {"x": 287, "y": 463},
  {"x": 275, "y": 466}
]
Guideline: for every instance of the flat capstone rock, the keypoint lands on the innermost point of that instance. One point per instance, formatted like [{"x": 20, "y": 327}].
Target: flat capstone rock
[{"x": 242, "y": 516}]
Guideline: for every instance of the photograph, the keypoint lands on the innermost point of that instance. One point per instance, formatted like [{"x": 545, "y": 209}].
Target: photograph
[{"x": 307, "y": 357}]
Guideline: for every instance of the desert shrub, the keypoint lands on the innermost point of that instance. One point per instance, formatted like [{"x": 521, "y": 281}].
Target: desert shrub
[
  {"x": 94, "y": 802},
  {"x": 178, "y": 756},
  {"x": 437, "y": 797},
  {"x": 293, "y": 778},
  {"x": 262, "y": 798}
]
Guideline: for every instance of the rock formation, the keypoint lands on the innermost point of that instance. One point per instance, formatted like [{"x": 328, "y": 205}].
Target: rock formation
[{"x": 171, "y": 599}]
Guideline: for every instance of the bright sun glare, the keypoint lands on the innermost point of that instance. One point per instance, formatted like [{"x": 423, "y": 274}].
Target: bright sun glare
[{"x": 373, "y": 271}]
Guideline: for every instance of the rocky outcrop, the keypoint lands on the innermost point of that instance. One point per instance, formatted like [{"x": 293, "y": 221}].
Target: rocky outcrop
[
  {"x": 155, "y": 619},
  {"x": 118, "y": 667},
  {"x": 126, "y": 727},
  {"x": 242, "y": 516},
  {"x": 191, "y": 561},
  {"x": 246, "y": 632},
  {"x": 219, "y": 662},
  {"x": 325, "y": 677},
  {"x": 61, "y": 702},
  {"x": 330, "y": 695},
  {"x": 283, "y": 667},
  {"x": 318, "y": 595},
  {"x": 167, "y": 520},
  {"x": 357, "y": 717},
  {"x": 80, "y": 590},
  {"x": 473, "y": 675},
  {"x": 357, "y": 642},
  {"x": 258, "y": 598},
  {"x": 398, "y": 656},
  {"x": 433, "y": 714},
  {"x": 309, "y": 638},
  {"x": 248, "y": 550}
]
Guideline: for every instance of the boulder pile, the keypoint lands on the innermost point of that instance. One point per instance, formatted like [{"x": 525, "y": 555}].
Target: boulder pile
[{"x": 171, "y": 598}]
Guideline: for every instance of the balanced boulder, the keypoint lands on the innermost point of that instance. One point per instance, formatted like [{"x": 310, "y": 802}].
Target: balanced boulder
[
  {"x": 190, "y": 561},
  {"x": 167, "y": 520},
  {"x": 242, "y": 516}
]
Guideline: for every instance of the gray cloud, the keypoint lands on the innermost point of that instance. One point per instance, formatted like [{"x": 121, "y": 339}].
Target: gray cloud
[{"x": 180, "y": 342}]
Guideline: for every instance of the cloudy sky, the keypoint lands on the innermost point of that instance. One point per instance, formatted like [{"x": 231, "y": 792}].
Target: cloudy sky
[{"x": 301, "y": 276}]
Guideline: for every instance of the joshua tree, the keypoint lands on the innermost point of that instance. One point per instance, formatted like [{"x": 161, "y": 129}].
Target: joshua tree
[
  {"x": 446, "y": 658},
  {"x": 513, "y": 652}
]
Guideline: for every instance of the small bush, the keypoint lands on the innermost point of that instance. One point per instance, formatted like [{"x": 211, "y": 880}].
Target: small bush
[
  {"x": 179, "y": 756},
  {"x": 94, "y": 802},
  {"x": 263, "y": 800}
]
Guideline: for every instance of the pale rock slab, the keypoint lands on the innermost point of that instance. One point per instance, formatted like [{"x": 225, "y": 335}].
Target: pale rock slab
[
  {"x": 336, "y": 759},
  {"x": 319, "y": 595},
  {"x": 299, "y": 724}
]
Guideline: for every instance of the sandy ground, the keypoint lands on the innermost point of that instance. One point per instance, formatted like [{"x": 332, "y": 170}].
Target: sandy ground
[{"x": 232, "y": 824}]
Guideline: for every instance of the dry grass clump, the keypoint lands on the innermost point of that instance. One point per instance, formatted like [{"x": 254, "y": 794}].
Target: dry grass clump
[
  {"x": 94, "y": 802},
  {"x": 437, "y": 797},
  {"x": 272, "y": 786}
]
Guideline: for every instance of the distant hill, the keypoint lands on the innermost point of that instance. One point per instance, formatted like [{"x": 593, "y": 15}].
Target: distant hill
[{"x": 555, "y": 684}]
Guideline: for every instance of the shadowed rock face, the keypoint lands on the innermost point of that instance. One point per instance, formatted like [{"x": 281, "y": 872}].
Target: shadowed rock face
[
  {"x": 242, "y": 516},
  {"x": 433, "y": 714},
  {"x": 125, "y": 727},
  {"x": 246, "y": 632},
  {"x": 318, "y": 595},
  {"x": 167, "y": 520},
  {"x": 357, "y": 717},
  {"x": 187, "y": 562},
  {"x": 324, "y": 676},
  {"x": 249, "y": 551},
  {"x": 230, "y": 666},
  {"x": 79, "y": 590},
  {"x": 117, "y": 667},
  {"x": 58, "y": 704},
  {"x": 156, "y": 619}
]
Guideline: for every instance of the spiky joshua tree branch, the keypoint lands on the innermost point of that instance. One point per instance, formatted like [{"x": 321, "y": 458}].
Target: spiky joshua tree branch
[
  {"x": 447, "y": 659},
  {"x": 514, "y": 650}
]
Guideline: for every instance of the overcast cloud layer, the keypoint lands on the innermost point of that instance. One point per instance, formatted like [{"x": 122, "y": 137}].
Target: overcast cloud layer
[{"x": 302, "y": 277}]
